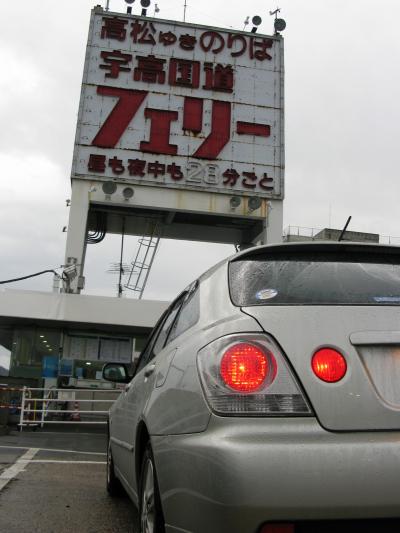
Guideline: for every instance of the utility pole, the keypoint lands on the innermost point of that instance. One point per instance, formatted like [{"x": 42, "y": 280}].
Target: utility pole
[{"x": 121, "y": 269}]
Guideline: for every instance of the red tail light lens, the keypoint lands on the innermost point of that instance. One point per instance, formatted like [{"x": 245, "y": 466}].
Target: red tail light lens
[
  {"x": 329, "y": 365},
  {"x": 278, "y": 528},
  {"x": 248, "y": 374},
  {"x": 245, "y": 367}
]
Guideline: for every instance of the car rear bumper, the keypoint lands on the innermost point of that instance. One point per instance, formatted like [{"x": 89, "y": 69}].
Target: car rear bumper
[{"x": 241, "y": 473}]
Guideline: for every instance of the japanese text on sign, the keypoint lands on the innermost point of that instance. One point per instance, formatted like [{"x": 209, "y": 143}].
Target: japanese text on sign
[
  {"x": 181, "y": 106},
  {"x": 145, "y": 33}
]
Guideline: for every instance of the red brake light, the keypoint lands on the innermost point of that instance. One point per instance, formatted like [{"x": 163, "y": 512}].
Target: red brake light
[
  {"x": 245, "y": 367},
  {"x": 329, "y": 365},
  {"x": 278, "y": 528}
]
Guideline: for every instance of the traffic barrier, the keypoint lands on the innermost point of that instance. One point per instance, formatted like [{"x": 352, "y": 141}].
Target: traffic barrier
[{"x": 51, "y": 407}]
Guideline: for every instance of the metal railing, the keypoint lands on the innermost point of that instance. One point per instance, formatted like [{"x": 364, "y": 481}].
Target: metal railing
[
  {"x": 301, "y": 231},
  {"x": 387, "y": 239},
  {"x": 310, "y": 233},
  {"x": 41, "y": 406}
]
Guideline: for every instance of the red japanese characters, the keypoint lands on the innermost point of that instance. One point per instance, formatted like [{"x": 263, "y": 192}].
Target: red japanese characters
[
  {"x": 181, "y": 72},
  {"x": 129, "y": 102},
  {"x": 142, "y": 32}
]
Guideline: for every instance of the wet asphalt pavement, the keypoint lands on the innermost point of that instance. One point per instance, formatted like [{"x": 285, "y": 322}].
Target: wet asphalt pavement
[{"x": 54, "y": 482}]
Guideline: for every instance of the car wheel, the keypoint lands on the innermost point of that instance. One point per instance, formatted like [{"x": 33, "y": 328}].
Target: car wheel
[
  {"x": 151, "y": 515},
  {"x": 114, "y": 486}
]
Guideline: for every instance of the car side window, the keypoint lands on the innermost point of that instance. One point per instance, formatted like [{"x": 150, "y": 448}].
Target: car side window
[
  {"x": 169, "y": 321},
  {"x": 144, "y": 356},
  {"x": 189, "y": 313},
  {"x": 157, "y": 341}
]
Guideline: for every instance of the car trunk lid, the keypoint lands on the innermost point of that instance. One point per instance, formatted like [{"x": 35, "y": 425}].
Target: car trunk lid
[{"x": 368, "y": 397}]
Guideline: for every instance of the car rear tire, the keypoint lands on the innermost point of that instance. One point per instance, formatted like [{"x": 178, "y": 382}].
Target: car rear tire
[
  {"x": 114, "y": 487},
  {"x": 150, "y": 510}
]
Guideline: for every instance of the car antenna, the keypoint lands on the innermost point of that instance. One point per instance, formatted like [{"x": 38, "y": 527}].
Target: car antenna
[{"x": 344, "y": 229}]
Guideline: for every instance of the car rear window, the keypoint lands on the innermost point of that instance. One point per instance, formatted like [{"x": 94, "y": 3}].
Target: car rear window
[{"x": 313, "y": 278}]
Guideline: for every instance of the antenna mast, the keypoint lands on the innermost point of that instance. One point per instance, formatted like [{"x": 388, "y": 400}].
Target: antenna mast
[
  {"x": 277, "y": 10},
  {"x": 184, "y": 11},
  {"x": 344, "y": 229},
  {"x": 108, "y": 5}
]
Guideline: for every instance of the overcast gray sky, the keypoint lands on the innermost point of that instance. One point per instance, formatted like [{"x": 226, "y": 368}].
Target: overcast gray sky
[{"x": 342, "y": 127}]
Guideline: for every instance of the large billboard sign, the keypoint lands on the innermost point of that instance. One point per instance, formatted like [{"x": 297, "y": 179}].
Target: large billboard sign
[{"x": 181, "y": 106}]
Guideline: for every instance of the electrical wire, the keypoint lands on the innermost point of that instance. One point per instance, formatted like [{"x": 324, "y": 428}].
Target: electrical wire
[
  {"x": 31, "y": 276},
  {"x": 96, "y": 236}
]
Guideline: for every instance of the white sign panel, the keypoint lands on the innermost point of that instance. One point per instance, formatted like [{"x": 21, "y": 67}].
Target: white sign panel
[{"x": 181, "y": 106}]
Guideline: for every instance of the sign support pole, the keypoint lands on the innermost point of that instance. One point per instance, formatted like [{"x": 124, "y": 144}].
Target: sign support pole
[
  {"x": 75, "y": 250},
  {"x": 274, "y": 228}
]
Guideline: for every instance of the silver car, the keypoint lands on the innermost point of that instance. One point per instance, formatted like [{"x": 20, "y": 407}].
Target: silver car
[{"x": 267, "y": 399}]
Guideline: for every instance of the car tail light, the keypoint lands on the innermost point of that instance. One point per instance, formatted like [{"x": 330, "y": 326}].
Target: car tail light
[
  {"x": 278, "y": 528},
  {"x": 329, "y": 365},
  {"x": 245, "y": 367},
  {"x": 248, "y": 375}
]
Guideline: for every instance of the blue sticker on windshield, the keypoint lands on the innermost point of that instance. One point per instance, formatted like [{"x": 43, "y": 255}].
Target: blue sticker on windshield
[
  {"x": 387, "y": 299},
  {"x": 266, "y": 294}
]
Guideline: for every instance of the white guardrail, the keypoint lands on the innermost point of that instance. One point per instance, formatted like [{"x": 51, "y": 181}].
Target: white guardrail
[{"x": 41, "y": 406}]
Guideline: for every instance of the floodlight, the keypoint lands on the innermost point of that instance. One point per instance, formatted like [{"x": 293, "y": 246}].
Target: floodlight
[
  {"x": 145, "y": 5},
  {"x": 128, "y": 193},
  {"x": 279, "y": 25},
  {"x": 256, "y": 20},
  {"x": 235, "y": 201},
  {"x": 254, "y": 203},
  {"x": 70, "y": 272},
  {"x": 109, "y": 187},
  {"x": 129, "y": 9}
]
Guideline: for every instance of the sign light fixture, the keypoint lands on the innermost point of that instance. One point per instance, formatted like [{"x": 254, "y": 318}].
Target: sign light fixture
[{"x": 256, "y": 20}]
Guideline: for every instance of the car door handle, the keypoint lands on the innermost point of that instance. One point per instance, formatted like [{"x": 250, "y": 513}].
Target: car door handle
[{"x": 149, "y": 370}]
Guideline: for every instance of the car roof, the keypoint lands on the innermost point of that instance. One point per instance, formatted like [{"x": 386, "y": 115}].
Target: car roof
[
  {"x": 314, "y": 246},
  {"x": 317, "y": 246}
]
